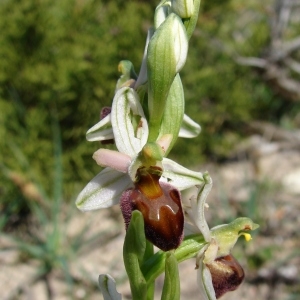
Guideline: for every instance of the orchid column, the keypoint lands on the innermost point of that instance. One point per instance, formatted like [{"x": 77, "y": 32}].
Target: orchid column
[{"x": 146, "y": 118}]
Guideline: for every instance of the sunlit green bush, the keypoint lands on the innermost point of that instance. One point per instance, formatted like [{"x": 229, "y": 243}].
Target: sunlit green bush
[{"x": 59, "y": 65}]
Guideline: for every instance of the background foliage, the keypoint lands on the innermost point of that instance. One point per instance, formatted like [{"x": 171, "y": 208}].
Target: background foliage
[{"x": 59, "y": 66}]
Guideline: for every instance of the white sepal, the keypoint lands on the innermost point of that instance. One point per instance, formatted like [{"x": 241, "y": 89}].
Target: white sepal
[
  {"x": 108, "y": 287},
  {"x": 101, "y": 131},
  {"x": 179, "y": 176},
  {"x": 104, "y": 190},
  {"x": 189, "y": 128},
  {"x": 125, "y": 106}
]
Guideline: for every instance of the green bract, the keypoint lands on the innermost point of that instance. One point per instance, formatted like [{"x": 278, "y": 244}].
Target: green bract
[
  {"x": 166, "y": 56},
  {"x": 183, "y": 8}
]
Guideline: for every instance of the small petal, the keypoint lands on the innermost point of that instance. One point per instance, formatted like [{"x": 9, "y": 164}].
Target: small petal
[
  {"x": 189, "y": 128},
  {"x": 103, "y": 191},
  {"x": 179, "y": 176},
  {"x": 108, "y": 287},
  {"x": 114, "y": 159},
  {"x": 101, "y": 131},
  {"x": 129, "y": 137}
]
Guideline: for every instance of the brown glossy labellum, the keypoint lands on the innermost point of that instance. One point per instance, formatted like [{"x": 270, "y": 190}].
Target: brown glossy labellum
[
  {"x": 160, "y": 204},
  {"x": 227, "y": 274}
]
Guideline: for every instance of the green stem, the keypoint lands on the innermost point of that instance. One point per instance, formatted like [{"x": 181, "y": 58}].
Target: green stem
[
  {"x": 155, "y": 265},
  {"x": 171, "y": 289}
]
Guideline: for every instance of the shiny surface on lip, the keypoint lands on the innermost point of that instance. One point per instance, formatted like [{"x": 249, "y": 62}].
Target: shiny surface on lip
[
  {"x": 160, "y": 204},
  {"x": 227, "y": 274}
]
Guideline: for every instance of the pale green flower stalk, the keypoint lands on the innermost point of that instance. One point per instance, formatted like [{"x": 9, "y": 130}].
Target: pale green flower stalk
[{"x": 144, "y": 121}]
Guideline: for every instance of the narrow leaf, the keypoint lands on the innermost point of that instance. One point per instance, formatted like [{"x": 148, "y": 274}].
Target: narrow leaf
[
  {"x": 133, "y": 254},
  {"x": 171, "y": 289}
]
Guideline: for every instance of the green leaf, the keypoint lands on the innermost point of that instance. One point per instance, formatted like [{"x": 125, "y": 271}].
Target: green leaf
[
  {"x": 189, "y": 248},
  {"x": 171, "y": 289},
  {"x": 133, "y": 254}
]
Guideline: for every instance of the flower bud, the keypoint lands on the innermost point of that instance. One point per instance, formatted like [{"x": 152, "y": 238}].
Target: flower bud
[{"x": 167, "y": 53}]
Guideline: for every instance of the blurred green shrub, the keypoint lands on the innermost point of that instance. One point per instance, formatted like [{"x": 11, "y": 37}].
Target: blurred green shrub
[
  {"x": 59, "y": 62},
  {"x": 60, "y": 58}
]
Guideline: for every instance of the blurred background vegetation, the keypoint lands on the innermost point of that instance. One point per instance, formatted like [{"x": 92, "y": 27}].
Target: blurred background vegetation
[
  {"x": 58, "y": 67},
  {"x": 59, "y": 64}
]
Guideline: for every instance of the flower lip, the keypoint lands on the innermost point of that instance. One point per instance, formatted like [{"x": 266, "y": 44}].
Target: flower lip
[
  {"x": 160, "y": 204},
  {"x": 227, "y": 274}
]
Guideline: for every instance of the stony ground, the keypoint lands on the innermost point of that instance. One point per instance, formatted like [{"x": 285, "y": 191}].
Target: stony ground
[{"x": 263, "y": 184}]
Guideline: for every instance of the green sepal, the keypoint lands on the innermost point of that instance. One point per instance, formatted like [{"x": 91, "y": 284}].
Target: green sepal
[
  {"x": 133, "y": 255},
  {"x": 173, "y": 113},
  {"x": 190, "y": 23},
  {"x": 189, "y": 248},
  {"x": 171, "y": 288}
]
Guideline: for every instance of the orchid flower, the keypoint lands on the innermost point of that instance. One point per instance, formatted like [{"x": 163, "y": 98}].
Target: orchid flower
[
  {"x": 135, "y": 158},
  {"x": 105, "y": 189},
  {"x": 217, "y": 270}
]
